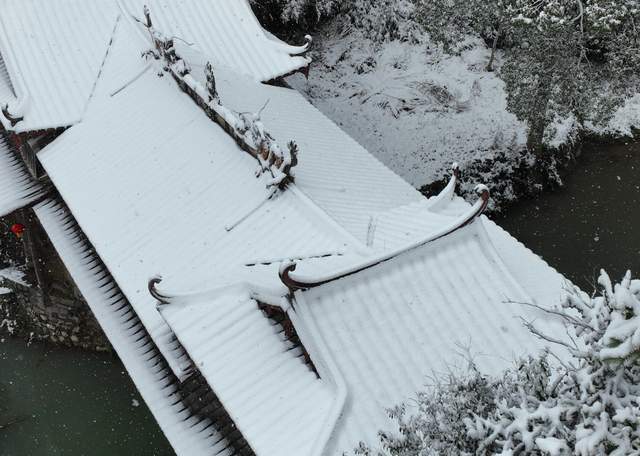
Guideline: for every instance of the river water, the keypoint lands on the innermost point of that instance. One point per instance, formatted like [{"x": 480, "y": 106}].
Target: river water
[
  {"x": 590, "y": 223},
  {"x": 71, "y": 403}
]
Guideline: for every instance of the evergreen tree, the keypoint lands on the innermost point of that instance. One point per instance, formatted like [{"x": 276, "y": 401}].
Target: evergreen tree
[
  {"x": 449, "y": 21},
  {"x": 571, "y": 57}
]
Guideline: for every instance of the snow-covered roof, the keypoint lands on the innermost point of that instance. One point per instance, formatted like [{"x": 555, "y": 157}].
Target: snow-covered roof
[
  {"x": 275, "y": 399},
  {"x": 188, "y": 434},
  {"x": 17, "y": 187},
  {"x": 7, "y": 93},
  {"x": 334, "y": 171},
  {"x": 55, "y": 50},
  {"x": 157, "y": 187},
  {"x": 397, "y": 326},
  {"x": 167, "y": 191}
]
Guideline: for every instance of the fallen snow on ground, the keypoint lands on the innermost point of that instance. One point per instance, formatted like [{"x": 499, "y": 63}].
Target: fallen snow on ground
[
  {"x": 12, "y": 275},
  {"x": 415, "y": 108},
  {"x": 624, "y": 121},
  {"x": 419, "y": 110}
]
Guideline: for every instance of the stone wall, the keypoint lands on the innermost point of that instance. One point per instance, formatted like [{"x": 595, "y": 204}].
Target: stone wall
[{"x": 51, "y": 308}]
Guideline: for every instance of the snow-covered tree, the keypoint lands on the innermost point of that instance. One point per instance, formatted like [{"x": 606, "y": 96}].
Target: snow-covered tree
[
  {"x": 294, "y": 11},
  {"x": 563, "y": 58},
  {"x": 586, "y": 402},
  {"x": 449, "y": 21},
  {"x": 574, "y": 58},
  {"x": 379, "y": 19},
  {"x": 385, "y": 20},
  {"x": 591, "y": 404}
]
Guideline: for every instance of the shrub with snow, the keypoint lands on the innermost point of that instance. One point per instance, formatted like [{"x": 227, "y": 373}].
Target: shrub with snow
[
  {"x": 449, "y": 21},
  {"x": 572, "y": 58},
  {"x": 304, "y": 12},
  {"x": 587, "y": 404},
  {"x": 564, "y": 58},
  {"x": 379, "y": 19}
]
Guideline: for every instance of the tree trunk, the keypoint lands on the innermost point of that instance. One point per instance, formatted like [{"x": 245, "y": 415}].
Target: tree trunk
[{"x": 493, "y": 51}]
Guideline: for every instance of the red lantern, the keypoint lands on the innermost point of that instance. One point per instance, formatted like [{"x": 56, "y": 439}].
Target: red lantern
[{"x": 18, "y": 230}]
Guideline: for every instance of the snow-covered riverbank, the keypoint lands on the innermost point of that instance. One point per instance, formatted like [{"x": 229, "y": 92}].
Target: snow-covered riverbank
[{"x": 418, "y": 109}]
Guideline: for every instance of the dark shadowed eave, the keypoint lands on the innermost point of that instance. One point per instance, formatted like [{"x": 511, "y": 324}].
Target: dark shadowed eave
[
  {"x": 187, "y": 414},
  {"x": 17, "y": 188}
]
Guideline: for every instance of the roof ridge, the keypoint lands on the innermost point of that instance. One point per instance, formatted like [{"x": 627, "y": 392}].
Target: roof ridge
[
  {"x": 107, "y": 54},
  {"x": 492, "y": 249},
  {"x": 245, "y": 128},
  {"x": 359, "y": 246},
  {"x": 305, "y": 283},
  {"x": 260, "y": 293},
  {"x": 8, "y": 118}
]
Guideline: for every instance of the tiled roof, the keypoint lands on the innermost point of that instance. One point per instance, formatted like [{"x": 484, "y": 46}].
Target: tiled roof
[
  {"x": 167, "y": 191},
  {"x": 227, "y": 32},
  {"x": 273, "y": 397},
  {"x": 400, "y": 226},
  {"x": 54, "y": 50},
  {"x": 7, "y": 93},
  {"x": 393, "y": 327},
  {"x": 334, "y": 171},
  {"x": 188, "y": 434},
  {"x": 17, "y": 187},
  {"x": 158, "y": 188}
]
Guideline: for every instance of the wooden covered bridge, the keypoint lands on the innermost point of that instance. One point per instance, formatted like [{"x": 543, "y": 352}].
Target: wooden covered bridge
[{"x": 269, "y": 285}]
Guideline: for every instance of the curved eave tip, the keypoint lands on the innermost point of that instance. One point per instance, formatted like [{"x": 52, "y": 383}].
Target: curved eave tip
[
  {"x": 285, "y": 270},
  {"x": 483, "y": 191},
  {"x": 301, "y": 50},
  {"x": 153, "y": 290},
  {"x": 455, "y": 168}
]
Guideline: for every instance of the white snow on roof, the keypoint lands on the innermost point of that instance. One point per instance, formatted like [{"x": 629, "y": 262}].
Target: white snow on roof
[
  {"x": 17, "y": 187},
  {"x": 160, "y": 189},
  {"x": 543, "y": 284},
  {"x": 334, "y": 171},
  {"x": 273, "y": 397},
  {"x": 398, "y": 227},
  {"x": 187, "y": 434},
  {"x": 54, "y": 50},
  {"x": 393, "y": 328},
  {"x": 226, "y": 31},
  {"x": 7, "y": 95}
]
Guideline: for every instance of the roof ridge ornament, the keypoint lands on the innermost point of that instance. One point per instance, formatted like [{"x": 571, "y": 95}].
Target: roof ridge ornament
[
  {"x": 298, "y": 283},
  {"x": 245, "y": 128},
  {"x": 13, "y": 120}
]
